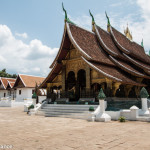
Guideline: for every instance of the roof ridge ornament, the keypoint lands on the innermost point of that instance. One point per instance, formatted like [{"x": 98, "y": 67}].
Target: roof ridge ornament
[
  {"x": 142, "y": 43},
  {"x": 65, "y": 12},
  {"x": 66, "y": 17},
  {"x": 128, "y": 33},
  {"x": 108, "y": 21},
  {"x": 93, "y": 21}
]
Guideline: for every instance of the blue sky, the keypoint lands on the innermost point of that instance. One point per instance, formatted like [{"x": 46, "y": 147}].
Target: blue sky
[
  {"x": 31, "y": 30},
  {"x": 43, "y": 19}
]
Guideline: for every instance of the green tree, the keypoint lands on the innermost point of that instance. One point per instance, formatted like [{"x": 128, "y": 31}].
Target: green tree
[{"x": 3, "y": 73}]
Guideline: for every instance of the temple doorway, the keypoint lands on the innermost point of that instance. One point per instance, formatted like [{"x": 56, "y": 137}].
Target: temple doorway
[
  {"x": 71, "y": 81},
  {"x": 81, "y": 83},
  {"x": 70, "y": 86}
]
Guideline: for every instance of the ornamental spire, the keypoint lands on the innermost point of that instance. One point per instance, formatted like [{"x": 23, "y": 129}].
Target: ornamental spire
[
  {"x": 108, "y": 22},
  {"x": 127, "y": 33},
  {"x": 66, "y": 18},
  {"x": 142, "y": 44},
  {"x": 93, "y": 21},
  {"x": 65, "y": 12}
]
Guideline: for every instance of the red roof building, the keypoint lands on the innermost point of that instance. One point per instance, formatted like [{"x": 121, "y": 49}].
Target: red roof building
[
  {"x": 6, "y": 86},
  {"x": 25, "y": 86}
]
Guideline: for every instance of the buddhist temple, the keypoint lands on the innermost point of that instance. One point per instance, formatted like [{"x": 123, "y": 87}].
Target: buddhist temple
[{"x": 90, "y": 60}]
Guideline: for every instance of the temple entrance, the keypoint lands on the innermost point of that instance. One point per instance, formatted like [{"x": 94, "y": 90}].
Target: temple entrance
[
  {"x": 70, "y": 86},
  {"x": 76, "y": 87},
  {"x": 71, "y": 81},
  {"x": 81, "y": 83}
]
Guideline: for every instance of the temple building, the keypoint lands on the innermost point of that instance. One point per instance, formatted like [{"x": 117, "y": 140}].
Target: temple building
[
  {"x": 90, "y": 60},
  {"x": 6, "y": 87},
  {"x": 25, "y": 86}
]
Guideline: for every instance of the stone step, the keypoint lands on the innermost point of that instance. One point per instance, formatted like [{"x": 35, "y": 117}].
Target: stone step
[
  {"x": 67, "y": 111},
  {"x": 68, "y": 106},
  {"x": 68, "y": 115},
  {"x": 71, "y": 108}
]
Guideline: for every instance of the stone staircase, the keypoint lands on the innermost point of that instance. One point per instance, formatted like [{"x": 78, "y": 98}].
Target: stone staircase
[{"x": 66, "y": 111}]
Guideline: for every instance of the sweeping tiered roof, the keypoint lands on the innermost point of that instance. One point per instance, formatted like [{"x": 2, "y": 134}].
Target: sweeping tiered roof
[{"x": 110, "y": 53}]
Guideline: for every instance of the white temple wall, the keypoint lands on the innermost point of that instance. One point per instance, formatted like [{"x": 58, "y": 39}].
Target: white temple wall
[
  {"x": 2, "y": 93},
  {"x": 26, "y": 93}
]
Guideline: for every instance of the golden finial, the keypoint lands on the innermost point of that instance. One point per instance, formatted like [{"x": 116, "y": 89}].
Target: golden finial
[{"x": 127, "y": 33}]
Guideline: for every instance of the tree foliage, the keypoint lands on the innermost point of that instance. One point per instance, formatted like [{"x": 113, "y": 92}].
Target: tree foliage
[{"x": 3, "y": 73}]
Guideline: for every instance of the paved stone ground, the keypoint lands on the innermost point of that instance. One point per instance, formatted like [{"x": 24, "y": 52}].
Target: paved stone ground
[{"x": 44, "y": 133}]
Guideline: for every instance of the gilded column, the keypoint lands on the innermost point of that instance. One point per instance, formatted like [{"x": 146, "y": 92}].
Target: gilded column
[
  {"x": 63, "y": 77},
  {"x": 115, "y": 87},
  {"x": 109, "y": 83}
]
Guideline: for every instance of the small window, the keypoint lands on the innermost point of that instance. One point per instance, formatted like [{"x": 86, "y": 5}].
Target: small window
[
  {"x": 19, "y": 92},
  {"x": 33, "y": 91},
  {"x": 4, "y": 94}
]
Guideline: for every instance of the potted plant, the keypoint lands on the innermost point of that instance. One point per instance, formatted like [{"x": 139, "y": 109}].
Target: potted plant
[{"x": 30, "y": 107}]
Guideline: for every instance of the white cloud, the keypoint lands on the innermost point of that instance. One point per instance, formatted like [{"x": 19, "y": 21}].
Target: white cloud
[
  {"x": 33, "y": 58},
  {"x": 23, "y": 35},
  {"x": 37, "y": 69},
  {"x": 2, "y": 59}
]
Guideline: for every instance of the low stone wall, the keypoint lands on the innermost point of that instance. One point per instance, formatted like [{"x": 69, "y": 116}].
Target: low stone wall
[
  {"x": 114, "y": 114},
  {"x": 16, "y": 104},
  {"x": 126, "y": 113},
  {"x": 5, "y": 103}
]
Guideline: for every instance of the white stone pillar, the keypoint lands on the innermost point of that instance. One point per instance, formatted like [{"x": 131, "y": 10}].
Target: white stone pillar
[
  {"x": 101, "y": 116},
  {"x": 102, "y": 106},
  {"x": 100, "y": 113},
  {"x": 144, "y": 95},
  {"x": 144, "y": 104}
]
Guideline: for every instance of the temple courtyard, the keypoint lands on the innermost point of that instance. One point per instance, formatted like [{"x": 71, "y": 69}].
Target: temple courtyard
[{"x": 25, "y": 132}]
